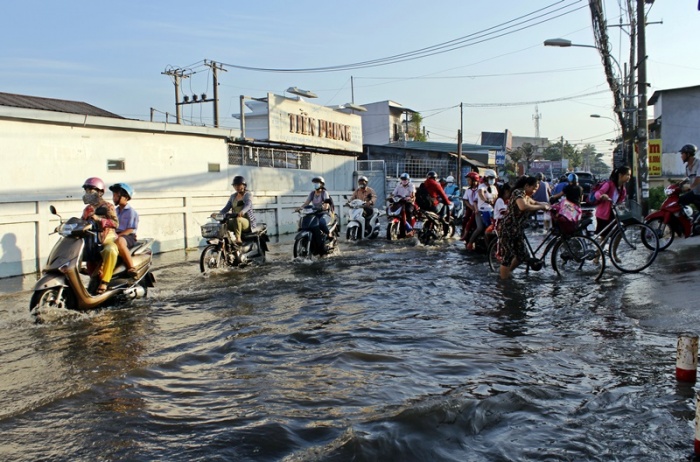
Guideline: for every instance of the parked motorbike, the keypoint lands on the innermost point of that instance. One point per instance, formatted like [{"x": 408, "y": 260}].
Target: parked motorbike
[
  {"x": 673, "y": 218},
  {"x": 221, "y": 250},
  {"x": 310, "y": 240},
  {"x": 358, "y": 228},
  {"x": 396, "y": 213},
  {"x": 66, "y": 284}
]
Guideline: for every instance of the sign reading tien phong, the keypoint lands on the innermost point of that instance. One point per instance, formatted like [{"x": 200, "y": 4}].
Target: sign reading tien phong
[{"x": 299, "y": 122}]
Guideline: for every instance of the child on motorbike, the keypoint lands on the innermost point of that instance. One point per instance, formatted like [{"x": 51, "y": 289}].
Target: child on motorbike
[
  {"x": 407, "y": 191},
  {"x": 487, "y": 195},
  {"x": 105, "y": 217},
  {"x": 128, "y": 223}
]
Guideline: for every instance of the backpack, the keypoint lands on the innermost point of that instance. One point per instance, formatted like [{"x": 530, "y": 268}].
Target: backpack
[
  {"x": 423, "y": 198},
  {"x": 591, "y": 200}
]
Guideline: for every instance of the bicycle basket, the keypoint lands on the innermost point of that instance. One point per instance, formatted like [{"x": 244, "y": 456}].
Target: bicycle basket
[
  {"x": 630, "y": 213},
  {"x": 211, "y": 230},
  {"x": 564, "y": 225}
]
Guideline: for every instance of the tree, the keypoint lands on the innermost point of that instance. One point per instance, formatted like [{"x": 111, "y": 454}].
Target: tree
[
  {"x": 525, "y": 153},
  {"x": 415, "y": 131}
]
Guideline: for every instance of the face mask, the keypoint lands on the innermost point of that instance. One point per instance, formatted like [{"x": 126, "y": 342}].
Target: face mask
[
  {"x": 404, "y": 182},
  {"x": 363, "y": 185},
  {"x": 492, "y": 181},
  {"x": 317, "y": 185},
  {"x": 91, "y": 198}
]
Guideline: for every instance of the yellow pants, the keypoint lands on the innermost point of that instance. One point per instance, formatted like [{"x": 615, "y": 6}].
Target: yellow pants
[
  {"x": 109, "y": 254},
  {"x": 238, "y": 225}
]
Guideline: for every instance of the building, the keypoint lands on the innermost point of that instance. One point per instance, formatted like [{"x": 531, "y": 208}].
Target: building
[
  {"x": 384, "y": 122},
  {"x": 675, "y": 124},
  {"x": 181, "y": 174}
]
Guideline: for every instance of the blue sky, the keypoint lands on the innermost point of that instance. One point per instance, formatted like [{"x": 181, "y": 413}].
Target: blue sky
[{"x": 112, "y": 55}]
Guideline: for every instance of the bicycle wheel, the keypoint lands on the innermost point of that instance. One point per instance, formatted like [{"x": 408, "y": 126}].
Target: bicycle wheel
[
  {"x": 578, "y": 258},
  {"x": 494, "y": 259},
  {"x": 633, "y": 248},
  {"x": 663, "y": 231}
]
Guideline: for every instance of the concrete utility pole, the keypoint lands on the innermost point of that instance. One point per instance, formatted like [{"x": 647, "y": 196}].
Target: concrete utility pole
[
  {"x": 176, "y": 75},
  {"x": 642, "y": 125},
  {"x": 214, "y": 67}
]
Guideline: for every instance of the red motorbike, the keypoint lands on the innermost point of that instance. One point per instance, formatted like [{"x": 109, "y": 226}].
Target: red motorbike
[
  {"x": 396, "y": 213},
  {"x": 673, "y": 218}
]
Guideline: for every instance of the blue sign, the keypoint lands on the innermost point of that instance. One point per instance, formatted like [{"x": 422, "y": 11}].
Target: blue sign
[{"x": 500, "y": 157}]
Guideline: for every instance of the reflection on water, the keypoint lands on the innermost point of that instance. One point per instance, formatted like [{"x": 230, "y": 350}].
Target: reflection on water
[{"x": 386, "y": 351}]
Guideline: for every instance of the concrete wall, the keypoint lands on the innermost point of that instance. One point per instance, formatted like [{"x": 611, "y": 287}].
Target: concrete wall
[
  {"x": 680, "y": 118},
  {"x": 46, "y": 157}
]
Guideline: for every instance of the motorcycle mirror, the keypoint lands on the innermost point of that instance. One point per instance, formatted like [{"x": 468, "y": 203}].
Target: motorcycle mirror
[{"x": 52, "y": 209}]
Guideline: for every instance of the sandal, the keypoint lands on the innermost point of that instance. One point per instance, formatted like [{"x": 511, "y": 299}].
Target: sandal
[{"x": 102, "y": 288}]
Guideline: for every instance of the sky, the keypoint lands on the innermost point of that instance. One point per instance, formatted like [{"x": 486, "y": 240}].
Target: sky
[{"x": 113, "y": 55}]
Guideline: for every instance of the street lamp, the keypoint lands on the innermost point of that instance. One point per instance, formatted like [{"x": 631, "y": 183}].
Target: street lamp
[{"x": 563, "y": 43}]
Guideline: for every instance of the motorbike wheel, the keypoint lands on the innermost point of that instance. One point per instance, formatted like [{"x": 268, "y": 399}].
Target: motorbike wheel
[
  {"x": 211, "y": 258},
  {"x": 301, "y": 248},
  {"x": 54, "y": 298},
  {"x": 392, "y": 231},
  {"x": 663, "y": 232},
  {"x": 352, "y": 234},
  {"x": 449, "y": 229}
]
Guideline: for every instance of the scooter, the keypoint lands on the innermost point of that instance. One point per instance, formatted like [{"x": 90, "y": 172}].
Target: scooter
[
  {"x": 396, "y": 213},
  {"x": 62, "y": 286},
  {"x": 673, "y": 218},
  {"x": 310, "y": 240},
  {"x": 358, "y": 228},
  {"x": 221, "y": 250}
]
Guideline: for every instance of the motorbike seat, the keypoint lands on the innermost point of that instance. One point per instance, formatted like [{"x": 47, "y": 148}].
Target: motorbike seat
[
  {"x": 253, "y": 235},
  {"x": 141, "y": 245}
]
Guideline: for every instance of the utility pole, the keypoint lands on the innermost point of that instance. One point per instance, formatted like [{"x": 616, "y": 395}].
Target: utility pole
[
  {"x": 177, "y": 75},
  {"x": 459, "y": 147},
  {"x": 214, "y": 67},
  {"x": 642, "y": 125}
]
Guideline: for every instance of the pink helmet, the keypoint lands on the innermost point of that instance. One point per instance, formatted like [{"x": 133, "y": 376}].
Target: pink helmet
[
  {"x": 473, "y": 175},
  {"x": 94, "y": 182}
]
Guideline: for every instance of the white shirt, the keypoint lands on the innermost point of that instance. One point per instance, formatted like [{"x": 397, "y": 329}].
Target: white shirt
[
  {"x": 485, "y": 205},
  {"x": 499, "y": 209}
]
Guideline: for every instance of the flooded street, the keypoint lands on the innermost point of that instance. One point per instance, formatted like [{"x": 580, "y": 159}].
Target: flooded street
[{"x": 384, "y": 351}]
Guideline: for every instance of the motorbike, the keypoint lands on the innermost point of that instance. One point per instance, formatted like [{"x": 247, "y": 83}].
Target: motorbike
[
  {"x": 310, "y": 240},
  {"x": 430, "y": 227},
  {"x": 358, "y": 228},
  {"x": 66, "y": 284},
  {"x": 673, "y": 218},
  {"x": 396, "y": 213},
  {"x": 221, "y": 251},
  {"x": 481, "y": 244}
]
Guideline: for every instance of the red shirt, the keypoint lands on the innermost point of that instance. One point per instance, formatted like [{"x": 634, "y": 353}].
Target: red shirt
[{"x": 435, "y": 191}]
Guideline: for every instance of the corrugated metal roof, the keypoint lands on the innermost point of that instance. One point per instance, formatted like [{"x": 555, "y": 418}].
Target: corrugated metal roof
[{"x": 55, "y": 105}]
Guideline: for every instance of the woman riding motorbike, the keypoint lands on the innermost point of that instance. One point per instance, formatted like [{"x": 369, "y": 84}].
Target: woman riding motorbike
[
  {"x": 105, "y": 217},
  {"x": 241, "y": 206}
]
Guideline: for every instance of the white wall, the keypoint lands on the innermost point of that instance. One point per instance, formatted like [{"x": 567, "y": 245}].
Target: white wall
[{"x": 47, "y": 156}]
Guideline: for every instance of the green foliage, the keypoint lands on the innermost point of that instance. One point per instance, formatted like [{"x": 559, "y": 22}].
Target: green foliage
[
  {"x": 414, "y": 128},
  {"x": 656, "y": 197}
]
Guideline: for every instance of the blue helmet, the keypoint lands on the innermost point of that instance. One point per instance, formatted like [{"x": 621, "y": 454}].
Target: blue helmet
[
  {"x": 123, "y": 187},
  {"x": 572, "y": 178}
]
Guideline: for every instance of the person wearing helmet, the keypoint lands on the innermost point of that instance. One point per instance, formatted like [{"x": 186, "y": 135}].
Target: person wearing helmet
[
  {"x": 691, "y": 183},
  {"x": 366, "y": 194},
  {"x": 470, "y": 200},
  {"x": 128, "y": 224},
  {"x": 406, "y": 191},
  {"x": 557, "y": 191},
  {"x": 105, "y": 217},
  {"x": 322, "y": 202},
  {"x": 451, "y": 188},
  {"x": 487, "y": 193},
  {"x": 436, "y": 195},
  {"x": 240, "y": 209}
]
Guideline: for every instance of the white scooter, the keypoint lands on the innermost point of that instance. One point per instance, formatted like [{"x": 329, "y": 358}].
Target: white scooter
[{"x": 358, "y": 228}]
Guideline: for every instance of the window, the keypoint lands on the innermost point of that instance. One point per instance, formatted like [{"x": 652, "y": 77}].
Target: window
[
  {"x": 214, "y": 168},
  {"x": 116, "y": 164},
  {"x": 268, "y": 157}
]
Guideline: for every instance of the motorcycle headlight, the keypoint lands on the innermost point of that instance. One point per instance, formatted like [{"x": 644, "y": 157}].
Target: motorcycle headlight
[{"x": 668, "y": 191}]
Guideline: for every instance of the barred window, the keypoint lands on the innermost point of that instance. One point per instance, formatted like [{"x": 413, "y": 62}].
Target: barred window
[{"x": 267, "y": 157}]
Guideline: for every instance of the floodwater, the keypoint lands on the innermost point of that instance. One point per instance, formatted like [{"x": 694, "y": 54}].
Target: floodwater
[{"x": 386, "y": 351}]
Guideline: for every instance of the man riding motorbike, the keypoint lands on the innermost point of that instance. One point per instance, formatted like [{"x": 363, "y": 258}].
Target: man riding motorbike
[
  {"x": 437, "y": 195},
  {"x": 105, "y": 217},
  {"x": 366, "y": 194},
  {"x": 692, "y": 180}
]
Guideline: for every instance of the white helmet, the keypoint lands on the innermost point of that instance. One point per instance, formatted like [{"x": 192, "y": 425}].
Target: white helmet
[
  {"x": 450, "y": 179},
  {"x": 489, "y": 172}
]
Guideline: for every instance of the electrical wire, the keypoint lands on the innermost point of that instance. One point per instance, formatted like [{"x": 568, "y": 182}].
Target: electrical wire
[
  {"x": 506, "y": 28},
  {"x": 528, "y": 103}
]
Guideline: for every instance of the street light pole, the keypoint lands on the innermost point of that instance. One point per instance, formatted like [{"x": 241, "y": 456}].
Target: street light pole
[{"x": 642, "y": 122}]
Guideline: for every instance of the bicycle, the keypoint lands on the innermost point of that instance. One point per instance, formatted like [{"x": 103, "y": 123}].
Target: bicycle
[
  {"x": 630, "y": 244},
  {"x": 574, "y": 255}
]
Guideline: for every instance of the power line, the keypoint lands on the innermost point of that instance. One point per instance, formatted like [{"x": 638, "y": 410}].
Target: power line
[
  {"x": 469, "y": 40},
  {"x": 526, "y": 103}
]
